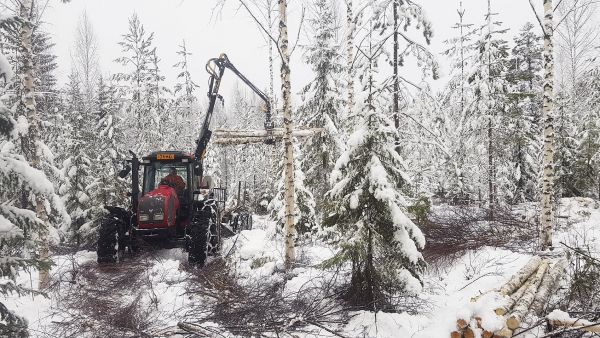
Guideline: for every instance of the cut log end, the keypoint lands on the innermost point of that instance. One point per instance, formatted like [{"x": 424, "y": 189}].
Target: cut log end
[
  {"x": 469, "y": 333},
  {"x": 456, "y": 334},
  {"x": 513, "y": 322},
  {"x": 461, "y": 324}
]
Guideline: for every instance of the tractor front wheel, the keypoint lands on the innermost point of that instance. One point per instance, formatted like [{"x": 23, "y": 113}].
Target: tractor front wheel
[
  {"x": 199, "y": 234},
  {"x": 107, "y": 239}
]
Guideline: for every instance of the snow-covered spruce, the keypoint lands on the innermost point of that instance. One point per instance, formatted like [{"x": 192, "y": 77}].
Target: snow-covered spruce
[
  {"x": 368, "y": 224},
  {"x": 322, "y": 105}
]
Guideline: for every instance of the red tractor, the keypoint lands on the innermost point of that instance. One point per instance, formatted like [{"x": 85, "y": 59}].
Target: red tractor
[{"x": 176, "y": 202}]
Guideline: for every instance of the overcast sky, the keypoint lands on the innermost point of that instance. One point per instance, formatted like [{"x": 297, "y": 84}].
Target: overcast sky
[{"x": 232, "y": 32}]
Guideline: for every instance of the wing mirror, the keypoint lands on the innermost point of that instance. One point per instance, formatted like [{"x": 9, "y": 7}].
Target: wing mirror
[
  {"x": 197, "y": 169},
  {"x": 125, "y": 171}
]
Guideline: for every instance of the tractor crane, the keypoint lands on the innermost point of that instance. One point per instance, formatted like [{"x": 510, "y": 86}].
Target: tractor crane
[{"x": 177, "y": 201}]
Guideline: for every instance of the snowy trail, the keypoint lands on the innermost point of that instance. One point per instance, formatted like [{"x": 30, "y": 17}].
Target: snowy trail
[{"x": 157, "y": 289}]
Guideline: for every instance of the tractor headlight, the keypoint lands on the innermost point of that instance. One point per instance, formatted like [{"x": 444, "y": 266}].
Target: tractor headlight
[
  {"x": 144, "y": 217},
  {"x": 159, "y": 217}
]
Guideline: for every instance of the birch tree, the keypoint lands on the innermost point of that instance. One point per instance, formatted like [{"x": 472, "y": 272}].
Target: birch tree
[
  {"x": 547, "y": 203},
  {"x": 288, "y": 124},
  {"x": 29, "y": 141}
]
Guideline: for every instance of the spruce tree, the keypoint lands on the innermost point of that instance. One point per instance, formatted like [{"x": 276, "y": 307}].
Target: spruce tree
[
  {"x": 22, "y": 230},
  {"x": 136, "y": 85},
  {"x": 523, "y": 115},
  {"x": 77, "y": 167},
  {"x": 322, "y": 101},
  {"x": 490, "y": 88},
  {"x": 368, "y": 223},
  {"x": 109, "y": 189}
]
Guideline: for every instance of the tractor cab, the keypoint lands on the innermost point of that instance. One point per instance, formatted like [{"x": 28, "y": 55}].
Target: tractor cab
[{"x": 168, "y": 186}]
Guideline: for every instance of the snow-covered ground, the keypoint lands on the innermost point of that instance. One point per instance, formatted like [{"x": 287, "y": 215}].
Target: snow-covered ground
[{"x": 165, "y": 283}]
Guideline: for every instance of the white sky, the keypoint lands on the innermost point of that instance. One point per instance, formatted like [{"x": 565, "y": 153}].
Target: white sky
[{"x": 232, "y": 32}]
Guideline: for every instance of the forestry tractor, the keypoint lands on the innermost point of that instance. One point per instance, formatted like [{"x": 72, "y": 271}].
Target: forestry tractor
[{"x": 176, "y": 203}]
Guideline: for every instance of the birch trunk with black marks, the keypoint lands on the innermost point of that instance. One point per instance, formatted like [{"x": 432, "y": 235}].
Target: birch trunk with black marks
[
  {"x": 350, "y": 56},
  {"x": 396, "y": 104},
  {"x": 547, "y": 215},
  {"x": 29, "y": 142},
  {"x": 286, "y": 89}
]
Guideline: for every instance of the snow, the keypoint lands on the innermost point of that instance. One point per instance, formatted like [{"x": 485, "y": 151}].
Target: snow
[
  {"x": 8, "y": 229},
  {"x": 257, "y": 254},
  {"x": 559, "y": 315},
  {"x": 5, "y": 68}
]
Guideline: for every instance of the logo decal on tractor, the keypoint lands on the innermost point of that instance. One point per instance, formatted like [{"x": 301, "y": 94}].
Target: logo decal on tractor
[{"x": 165, "y": 156}]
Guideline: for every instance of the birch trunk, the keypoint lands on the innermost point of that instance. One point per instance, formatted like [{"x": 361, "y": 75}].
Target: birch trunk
[
  {"x": 491, "y": 113},
  {"x": 29, "y": 142},
  {"x": 350, "y": 56},
  {"x": 286, "y": 89},
  {"x": 547, "y": 215},
  {"x": 396, "y": 103}
]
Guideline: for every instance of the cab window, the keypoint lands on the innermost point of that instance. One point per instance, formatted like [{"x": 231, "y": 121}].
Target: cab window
[{"x": 156, "y": 171}]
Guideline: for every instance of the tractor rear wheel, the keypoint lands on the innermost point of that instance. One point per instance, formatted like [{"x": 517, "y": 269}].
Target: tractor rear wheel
[
  {"x": 199, "y": 234},
  {"x": 107, "y": 239}
]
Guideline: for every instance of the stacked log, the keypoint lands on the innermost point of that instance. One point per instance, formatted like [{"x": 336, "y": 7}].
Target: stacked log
[
  {"x": 237, "y": 137},
  {"x": 526, "y": 292}
]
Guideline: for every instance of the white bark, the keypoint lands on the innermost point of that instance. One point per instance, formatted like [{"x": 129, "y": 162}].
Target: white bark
[
  {"x": 521, "y": 277},
  {"x": 547, "y": 287},
  {"x": 513, "y": 299},
  {"x": 286, "y": 89},
  {"x": 350, "y": 56},
  {"x": 547, "y": 215},
  {"x": 522, "y": 306},
  {"x": 29, "y": 142},
  {"x": 262, "y": 134}
]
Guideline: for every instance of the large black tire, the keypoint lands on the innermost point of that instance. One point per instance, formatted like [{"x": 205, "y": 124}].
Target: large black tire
[
  {"x": 107, "y": 239},
  {"x": 199, "y": 234}
]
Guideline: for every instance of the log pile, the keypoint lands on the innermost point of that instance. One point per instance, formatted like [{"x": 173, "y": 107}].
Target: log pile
[{"x": 526, "y": 292}]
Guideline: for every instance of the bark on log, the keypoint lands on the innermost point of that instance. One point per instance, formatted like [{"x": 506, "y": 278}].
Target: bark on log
[
  {"x": 227, "y": 133},
  {"x": 520, "y": 277},
  {"x": 238, "y": 137},
  {"x": 501, "y": 311},
  {"x": 522, "y": 306},
  {"x": 548, "y": 285},
  {"x": 504, "y": 333}
]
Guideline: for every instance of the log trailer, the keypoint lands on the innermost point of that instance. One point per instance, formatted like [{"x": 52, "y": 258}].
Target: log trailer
[{"x": 186, "y": 212}]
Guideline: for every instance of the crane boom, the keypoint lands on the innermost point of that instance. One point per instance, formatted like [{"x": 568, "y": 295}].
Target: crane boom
[{"x": 216, "y": 68}]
